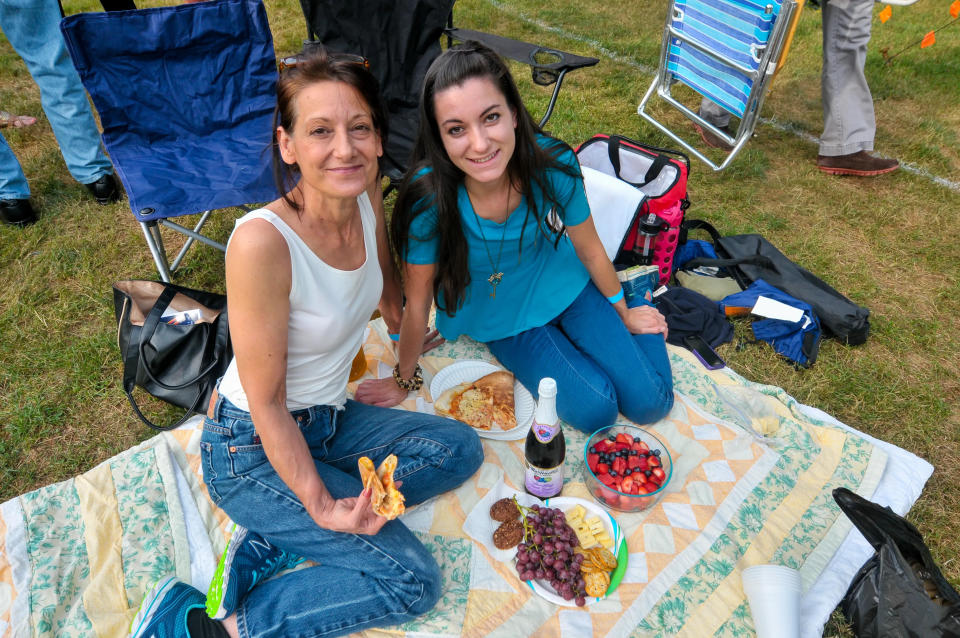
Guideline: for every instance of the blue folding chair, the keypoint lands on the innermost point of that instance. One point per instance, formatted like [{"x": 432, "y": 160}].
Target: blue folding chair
[
  {"x": 727, "y": 51},
  {"x": 186, "y": 97}
]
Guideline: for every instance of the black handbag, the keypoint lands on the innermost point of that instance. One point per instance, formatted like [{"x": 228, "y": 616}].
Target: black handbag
[
  {"x": 751, "y": 257},
  {"x": 174, "y": 341}
]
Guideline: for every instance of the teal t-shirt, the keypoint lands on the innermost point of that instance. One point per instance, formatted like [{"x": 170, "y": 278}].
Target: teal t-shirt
[{"x": 539, "y": 281}]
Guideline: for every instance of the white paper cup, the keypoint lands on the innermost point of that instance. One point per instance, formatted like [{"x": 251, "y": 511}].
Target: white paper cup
[{"x": 773, "y": 592}]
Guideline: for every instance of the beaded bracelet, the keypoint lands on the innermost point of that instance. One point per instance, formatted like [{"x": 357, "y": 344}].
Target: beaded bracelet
[{"x": 412, "y": 384}]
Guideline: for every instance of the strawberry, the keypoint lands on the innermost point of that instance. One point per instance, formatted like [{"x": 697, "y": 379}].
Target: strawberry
[
  {"x": 641, "y": 447},
  {"x": 602, "y": 468},
  {"x": 627, "y": 485},
  {"x": 605, "y": 478},
  {"x": 619, "y": 465},
  {"x": 651, "y": 487},
  {"x": 653, "y": 461},
  {"x": 592, "y": 460},
  {"x": 659, "y": 473},
  {"x": 625, "y": 438},
  {"x": 633, "y": 462},
  {"x": 604, "y": 445}
]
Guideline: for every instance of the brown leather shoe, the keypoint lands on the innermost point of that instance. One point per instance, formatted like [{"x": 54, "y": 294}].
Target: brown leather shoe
[
  {"x": 861, "y": 164},
  {"x": 712, "y": 140}
]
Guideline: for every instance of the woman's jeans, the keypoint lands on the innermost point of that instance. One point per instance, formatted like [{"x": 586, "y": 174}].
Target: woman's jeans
[
  {"x": 360, "y": 581},
  {"x": 600, "y": 368},
  {"x": 33, "y": 29}
]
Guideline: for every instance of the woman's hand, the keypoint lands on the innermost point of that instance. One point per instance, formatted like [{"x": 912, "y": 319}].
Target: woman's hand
[
  {"x": 352, "y": 515},
  {"x": 383, "y": 393},
  {"x": 431, "y": 341},
  {"x": 644, "y": 320}
]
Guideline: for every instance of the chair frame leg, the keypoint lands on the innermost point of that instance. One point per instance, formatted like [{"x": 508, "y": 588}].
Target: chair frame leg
[{"x": 151, "y": 233}]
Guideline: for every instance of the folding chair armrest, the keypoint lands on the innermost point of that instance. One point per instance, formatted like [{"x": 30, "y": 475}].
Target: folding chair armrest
[
  {"x": 525, "y": 52},
  {"x": 548, "y": 66}
]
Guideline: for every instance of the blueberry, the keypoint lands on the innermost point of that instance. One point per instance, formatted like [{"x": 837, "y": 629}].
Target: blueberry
[
  {"x": 648, "y": 473},
  {"x": 593, "y": 450},
  {"x": 612, "y": 437},
  {"x": 613, "y": 472},
  {"x": 656, "y": 452},
  {"x": 636, "y": 439},
  {"x": 627, "y": 472}
]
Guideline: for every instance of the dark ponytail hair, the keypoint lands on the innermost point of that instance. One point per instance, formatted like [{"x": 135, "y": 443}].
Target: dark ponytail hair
[
  {"x": 314, "y": 65},
  {"x": 438, "y": 187}
]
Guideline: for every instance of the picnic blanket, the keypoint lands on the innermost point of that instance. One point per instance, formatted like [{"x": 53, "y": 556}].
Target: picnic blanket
[{"x": 753, "y": 475}]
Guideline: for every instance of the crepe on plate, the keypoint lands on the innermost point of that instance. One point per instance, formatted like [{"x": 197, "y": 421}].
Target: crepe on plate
[
  {"x": 386, "y": 499},
  {"x": 482, "y": 404}
]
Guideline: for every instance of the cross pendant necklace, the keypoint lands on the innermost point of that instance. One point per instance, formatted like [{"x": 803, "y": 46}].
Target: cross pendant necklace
[{"x": 497, "y": 275}]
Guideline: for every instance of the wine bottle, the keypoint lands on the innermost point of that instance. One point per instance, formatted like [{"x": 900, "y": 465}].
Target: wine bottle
[{"x": 545, "y": 448}]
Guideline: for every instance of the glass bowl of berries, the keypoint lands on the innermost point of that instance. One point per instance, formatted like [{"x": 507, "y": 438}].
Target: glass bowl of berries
[{"x": 627, "y": 468}]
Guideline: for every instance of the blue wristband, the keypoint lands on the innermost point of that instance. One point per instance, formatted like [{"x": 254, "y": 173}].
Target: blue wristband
[
  {"x": 395, "y": 337},
  {"x": 617, "y": 297}
]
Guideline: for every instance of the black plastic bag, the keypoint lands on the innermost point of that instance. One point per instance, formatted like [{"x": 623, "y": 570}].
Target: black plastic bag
[{"x": 899, "y": 592}]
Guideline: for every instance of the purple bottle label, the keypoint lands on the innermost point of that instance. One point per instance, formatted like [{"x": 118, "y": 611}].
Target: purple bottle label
[
  {"x": 544, "y": 483},
  {"x": 545, "y": 431}
]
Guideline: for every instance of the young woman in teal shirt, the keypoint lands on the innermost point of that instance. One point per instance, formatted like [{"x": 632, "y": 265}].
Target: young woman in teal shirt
[{"x": 492, "y": 223}]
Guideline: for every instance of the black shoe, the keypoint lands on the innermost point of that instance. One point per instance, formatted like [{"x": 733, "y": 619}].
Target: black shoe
[
  {"x": 18, "y": 212},
  {"x": 105, "y": 189}
]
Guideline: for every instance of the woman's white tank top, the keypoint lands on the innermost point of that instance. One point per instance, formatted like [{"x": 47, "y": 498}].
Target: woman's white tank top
[{"x": 329, "y": 311}]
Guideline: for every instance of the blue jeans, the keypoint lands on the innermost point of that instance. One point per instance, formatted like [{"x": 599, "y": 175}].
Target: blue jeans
[
  {"x": 600, "y": 368},
  {"x": 361, "y": 581},
  {"x": 33, "y": 29}
]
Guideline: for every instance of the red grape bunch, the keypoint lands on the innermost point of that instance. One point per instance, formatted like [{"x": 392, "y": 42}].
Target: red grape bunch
[{"x": 546, "y": 552}]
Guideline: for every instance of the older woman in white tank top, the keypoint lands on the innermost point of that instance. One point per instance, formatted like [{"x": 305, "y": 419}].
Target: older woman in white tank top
[{"x": 281, "y": 440}]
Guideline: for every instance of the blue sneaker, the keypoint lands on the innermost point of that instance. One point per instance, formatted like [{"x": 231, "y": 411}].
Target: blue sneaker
[
  {"x": 163, "y": 613},
  {"x": 248, "y": 559}
]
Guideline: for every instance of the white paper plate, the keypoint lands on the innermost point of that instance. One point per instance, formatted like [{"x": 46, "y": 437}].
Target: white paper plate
[
  {"x": 468, "y": 372},
  {"x": 566, "y": 503}
]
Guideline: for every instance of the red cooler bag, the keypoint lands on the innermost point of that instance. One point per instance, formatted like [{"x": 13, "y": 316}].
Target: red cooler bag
[{"x": 661, "y": 175}]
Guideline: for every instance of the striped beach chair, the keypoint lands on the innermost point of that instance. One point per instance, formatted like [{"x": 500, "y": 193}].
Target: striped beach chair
[{"x": 727, "y": 51}]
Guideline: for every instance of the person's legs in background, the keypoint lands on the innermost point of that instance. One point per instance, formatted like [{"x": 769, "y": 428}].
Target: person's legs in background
[
  {"x": 33, "y": 29},
  {"x": 848, "y": 116},
  {"x": 15, "y": 205}
]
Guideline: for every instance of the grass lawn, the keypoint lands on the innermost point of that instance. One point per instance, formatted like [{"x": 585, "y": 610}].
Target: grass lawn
[{"x": 887, "y": 243}]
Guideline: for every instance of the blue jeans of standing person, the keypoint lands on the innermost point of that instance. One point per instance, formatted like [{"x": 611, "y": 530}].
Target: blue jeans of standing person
[
  {"x": 600, "y": 368},
  {"x": 361, "y": 581},
  {"x": 33, "y": 29}
]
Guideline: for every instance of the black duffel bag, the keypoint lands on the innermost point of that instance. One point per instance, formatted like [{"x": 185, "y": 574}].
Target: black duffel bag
[
  {"x": 751, "y": 257},
  {"x": 174, "y": 341}
]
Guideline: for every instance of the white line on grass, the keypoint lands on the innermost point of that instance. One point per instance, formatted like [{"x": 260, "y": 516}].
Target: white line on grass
[{"x": 773, "y": 123}]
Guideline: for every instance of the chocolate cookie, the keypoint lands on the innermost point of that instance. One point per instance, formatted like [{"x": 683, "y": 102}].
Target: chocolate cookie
[
  {"x": 508, "y": 534},
  {"x": 504, "y": 510}
]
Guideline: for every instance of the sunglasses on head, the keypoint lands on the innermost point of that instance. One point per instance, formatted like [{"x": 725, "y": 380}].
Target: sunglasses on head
[{"x": 292, "y": 61}]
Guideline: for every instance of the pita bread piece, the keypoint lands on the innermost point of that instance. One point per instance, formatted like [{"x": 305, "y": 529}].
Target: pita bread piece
[
  {"x": 386, "y": 500},
  {"x": 483, "y": 404}
]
